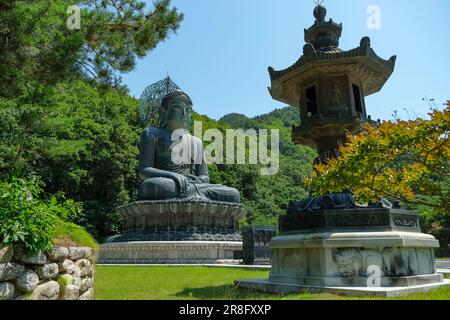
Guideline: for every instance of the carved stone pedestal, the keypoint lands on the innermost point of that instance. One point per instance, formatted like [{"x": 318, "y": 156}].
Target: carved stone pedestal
[
  {"x": 375, "y": 251},
  {"x": 348, "y": 259},
  {"x": 176, "y": 232}
]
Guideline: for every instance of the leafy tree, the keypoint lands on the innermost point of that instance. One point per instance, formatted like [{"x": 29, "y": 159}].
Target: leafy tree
[
  {"x": 406, "y": 160},
  {"x": 437, "y": 224}
]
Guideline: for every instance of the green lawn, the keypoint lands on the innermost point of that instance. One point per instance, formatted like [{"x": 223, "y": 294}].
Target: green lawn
[{"x": 197, "y": 283}]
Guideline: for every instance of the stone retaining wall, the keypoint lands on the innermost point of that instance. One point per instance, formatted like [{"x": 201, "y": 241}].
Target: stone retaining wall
[{"x": 62, "y": 274}]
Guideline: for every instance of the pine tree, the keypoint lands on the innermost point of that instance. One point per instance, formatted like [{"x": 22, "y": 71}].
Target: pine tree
[{"x": 38, "y": 46}]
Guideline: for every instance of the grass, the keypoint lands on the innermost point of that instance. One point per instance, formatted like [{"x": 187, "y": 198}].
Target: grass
[
  {"x": 202, "y": 283},
  {"x": 73, "y": 235}
]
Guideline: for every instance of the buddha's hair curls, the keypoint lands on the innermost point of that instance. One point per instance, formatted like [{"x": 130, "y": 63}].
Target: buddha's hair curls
[
  {"x": 165, "y": 103},
  {"x": 176, "y": 93}
]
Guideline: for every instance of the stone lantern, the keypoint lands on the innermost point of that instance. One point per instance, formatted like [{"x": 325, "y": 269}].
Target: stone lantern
[{"x": 332, "y": 243}]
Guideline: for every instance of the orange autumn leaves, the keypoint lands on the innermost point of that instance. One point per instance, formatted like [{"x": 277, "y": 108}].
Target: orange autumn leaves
[{"x": 406, "y": 160}]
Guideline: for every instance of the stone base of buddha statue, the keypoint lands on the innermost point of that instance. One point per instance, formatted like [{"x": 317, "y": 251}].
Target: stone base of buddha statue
[
  {"x": 176, "y": 232},
  {"x": 170, "y": 252}
]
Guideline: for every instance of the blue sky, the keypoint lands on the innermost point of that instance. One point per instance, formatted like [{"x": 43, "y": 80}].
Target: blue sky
[{"x": 221, "y": 53}]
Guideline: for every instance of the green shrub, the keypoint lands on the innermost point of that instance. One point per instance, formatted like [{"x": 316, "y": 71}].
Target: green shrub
[
  {"x": 436, "y": 223},
  {"x": 29, "y": 220}
]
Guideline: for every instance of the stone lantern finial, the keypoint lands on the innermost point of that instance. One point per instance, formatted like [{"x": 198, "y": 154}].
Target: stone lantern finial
[
  {"x": 323, "y": 35},
  {"x": 320, "y": 12}
]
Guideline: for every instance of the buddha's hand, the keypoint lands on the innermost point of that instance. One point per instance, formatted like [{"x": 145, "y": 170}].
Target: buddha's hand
[{"x": 181, "y": 182}]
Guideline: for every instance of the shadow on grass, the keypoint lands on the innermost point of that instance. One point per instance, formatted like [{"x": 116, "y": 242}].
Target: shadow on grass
[
  {"x": 230, "y": 292},
  {"x": 223, "y": 292}
]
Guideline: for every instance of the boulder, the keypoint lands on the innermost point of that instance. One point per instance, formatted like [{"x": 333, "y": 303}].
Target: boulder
[
  {"x": 70, "y": 292},
  {"x": 48, "y": 271},
  {"x": 86, "y": 284},
  {"x": 85, "y": 266},
  {"x": 58, "y": 254},
  {"x": 88, "y": 295},
  {"x": 10, "y": 271},
  {"x": 46, "y": 291},
  {"x": 67, "y": 266},
  {"x": 90, "y": 255},
  {"x": 77, "y": 276},
  {"x": 6, "y": 254},
  {"x": 38, "y": 258},
  {"x": 6, "y": 291},
  {"x": 76, "y": 253},
  {"x": 27, "y": 281}
]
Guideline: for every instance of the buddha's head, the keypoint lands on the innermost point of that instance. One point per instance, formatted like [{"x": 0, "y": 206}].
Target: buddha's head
[{"x": 176, "y": 111}]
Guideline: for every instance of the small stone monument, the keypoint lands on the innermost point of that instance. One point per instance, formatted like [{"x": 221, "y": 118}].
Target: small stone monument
[
  {"x": 331, "y": 243},
  {"x": 180, "y": 218},
  {"x": 256, "y": 241}
]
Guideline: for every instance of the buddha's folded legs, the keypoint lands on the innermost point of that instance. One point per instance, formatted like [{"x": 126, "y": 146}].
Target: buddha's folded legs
[
  {"x": 158, "y": 189},
  {"x": 164, "y": 188},
  {"x": 219, "y": 193}
]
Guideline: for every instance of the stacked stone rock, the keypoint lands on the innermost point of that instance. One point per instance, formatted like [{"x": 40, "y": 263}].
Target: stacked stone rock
[{"x": 62, "y": 274}]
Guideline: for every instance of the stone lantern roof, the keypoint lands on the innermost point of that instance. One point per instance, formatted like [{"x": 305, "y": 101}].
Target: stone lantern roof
[{"x": 322, "y": 55}]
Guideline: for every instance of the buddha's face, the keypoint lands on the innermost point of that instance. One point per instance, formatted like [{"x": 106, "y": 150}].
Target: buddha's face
[{"x": 178, "y": 113}]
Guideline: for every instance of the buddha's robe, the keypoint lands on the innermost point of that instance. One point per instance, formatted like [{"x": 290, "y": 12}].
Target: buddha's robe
[{"x": 156, "y": 153}]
